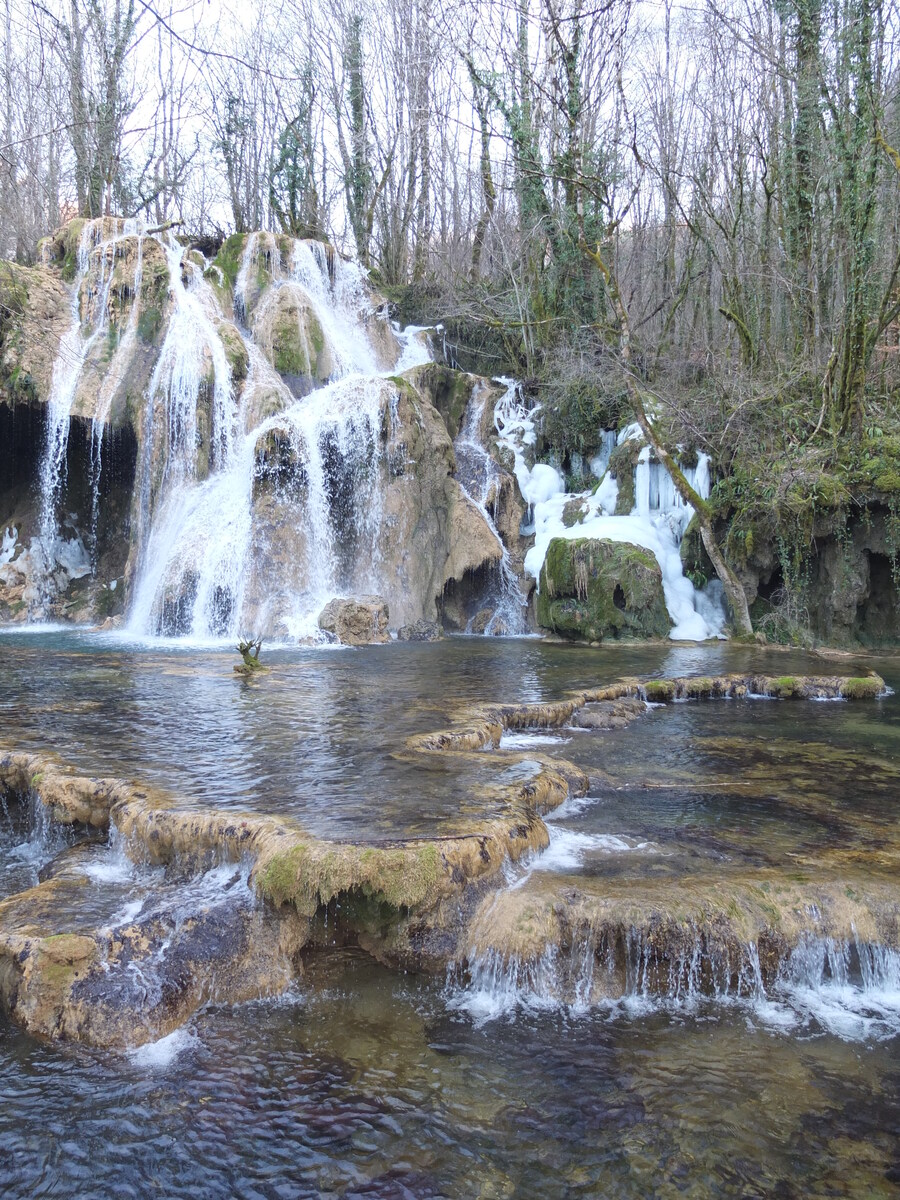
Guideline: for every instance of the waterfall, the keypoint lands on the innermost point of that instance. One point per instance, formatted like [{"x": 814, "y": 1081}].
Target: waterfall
[
  {"x": 657, "y": 521},
  {"x": 257, "y": 499},
  {"x": 309, "y": 467},
  {"x": 336, "y": 295},
  {"x": 192, "y": 360},
  {"x": 846, "y": 987},
  {"x": 68, "y": 366},
  {"x": 317, "y": 463},
  {"x": 479, "y": 478},
  {"x": 113, "y": 381}
]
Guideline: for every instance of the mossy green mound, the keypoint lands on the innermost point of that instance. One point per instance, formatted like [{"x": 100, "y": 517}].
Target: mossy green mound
[
  {"x": 867, "y": 688},
  {"x": 592, "y": 589}
]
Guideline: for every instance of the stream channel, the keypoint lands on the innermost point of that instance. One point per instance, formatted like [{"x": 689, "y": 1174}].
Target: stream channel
[{"x": 363, "y": 1081}]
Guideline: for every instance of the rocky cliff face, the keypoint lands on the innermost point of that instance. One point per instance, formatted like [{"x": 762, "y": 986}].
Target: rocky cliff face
[{"x": 200, "y": 446}]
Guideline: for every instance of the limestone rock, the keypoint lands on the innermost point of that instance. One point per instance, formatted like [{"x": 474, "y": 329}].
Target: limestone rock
[
  {"x": 609, "y": 714},
  {"x": 380, "y": 333},
  {"x": 592, "y": 589},
  {"x": 356, "y": 622},
  {"x": 287, "y": 328},
  {"x": 574, "y": 513},
  {"x": 420, "y": 631},
  {"x": 448, "y": 390},
  {"x": 481, "y": 620}
]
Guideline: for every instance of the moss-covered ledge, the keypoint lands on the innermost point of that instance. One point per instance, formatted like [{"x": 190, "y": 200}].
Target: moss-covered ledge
[{"x": 482, "y": 728}]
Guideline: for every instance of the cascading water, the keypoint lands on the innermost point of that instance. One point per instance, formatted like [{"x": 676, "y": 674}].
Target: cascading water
[
  {"x": 112, "y": 382},
  {"x": 657, "y": 522},
  {"x": 192, "y": 360},
  {"x": 75, "y": 345},
  {"x": 478, "y": 475},
  {"x": 336, "y": 294},
  {"x": 850, "y": 988},
  {"x": 206, "y": 552},
  {"x": 207, "y": 568},
  {"x": 332, "y": 291}
]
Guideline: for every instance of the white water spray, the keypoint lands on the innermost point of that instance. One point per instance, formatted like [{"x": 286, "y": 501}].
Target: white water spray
[
  {"x": 657, "y": 521},
  {"x": 74, "y": 348},
  {"x": 479, "y": 478}
]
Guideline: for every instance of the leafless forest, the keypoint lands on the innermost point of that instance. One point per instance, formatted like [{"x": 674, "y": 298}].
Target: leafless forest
[{"x": 713, "y": 187}]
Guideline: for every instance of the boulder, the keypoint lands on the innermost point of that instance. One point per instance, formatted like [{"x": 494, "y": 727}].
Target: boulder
[
  {"x": 574, "y": 513},
  {"x": 481, "y": 620},
  {"x": 285, "y": 324},
  {"x": 356, "y": 621},
  {"x": 420, "y": 631},
  {"x": 609, "y": 714},
  {"x": 591, "y": 589}
]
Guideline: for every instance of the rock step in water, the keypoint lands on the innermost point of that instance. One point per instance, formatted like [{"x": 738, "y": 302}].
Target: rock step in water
[{"x": 120, "y": 979}]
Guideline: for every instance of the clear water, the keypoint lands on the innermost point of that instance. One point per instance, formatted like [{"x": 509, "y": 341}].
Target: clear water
[{"x": 363, "y": 1082}]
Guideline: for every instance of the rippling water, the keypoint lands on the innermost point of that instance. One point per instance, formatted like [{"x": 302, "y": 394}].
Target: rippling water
[{"x": 366, "y": 1083}]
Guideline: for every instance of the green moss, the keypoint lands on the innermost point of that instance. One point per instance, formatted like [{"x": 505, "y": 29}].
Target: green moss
[
  {"x": 20, "y": 387},
  {"x": 659, "y": 691},
  {"x": 312, "y": 874},
  {"x": 700, "y": 687},
  {"x": 592, "y": 589},
  {"x": 71, "y": 238},
  {"x": 576, "y": 411},
  {"x": 574, "y": 513},
  {"x": 154, "y": 298},
  {"x": 149, "y": 324},
  {"x": 235, "y": 351},
  {"x": 296, "y": 352},
  {"x": 291, "y": 360},
  {"x": 446, "y": 389},
  {"x": 785, "y": 687},
  {"x": 228, "y": 260},
  {"x": 695, "y": 561},
  {"x": 621, "y": 468},
  {"x": 865, "y": 688}
]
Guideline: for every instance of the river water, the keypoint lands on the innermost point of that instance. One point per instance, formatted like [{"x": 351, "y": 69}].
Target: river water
[{"x": 364, "y": 1082}]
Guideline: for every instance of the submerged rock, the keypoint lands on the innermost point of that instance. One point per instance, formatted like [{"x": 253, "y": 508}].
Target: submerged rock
[
  {"x": 609, "y": 714},
  {"x": 420, "y": 631},
  {"x": 356, "y": 622},
  {"x": 591, "y": 589}
]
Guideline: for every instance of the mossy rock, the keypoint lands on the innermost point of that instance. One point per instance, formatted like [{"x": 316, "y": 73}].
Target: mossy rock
[
  {"x": 293, "y": 336},
  {"x": 574, "y": 513},
  {"x": 577, "y": 410},
  {"x": 228, "y": 260},
  {"x": 694, "y": 558},
  {"x": 786, "y": 687},
  {"x": 70, "y": 239},
  {"x": 448, "y": 391},
  {"x": 659, "y": 691},
  {"x": 701, "y": 687},
  {"x": 868, "y": 687},
  {"x": 592, "y": 589},
  {"x": 621, "y": 467},
  {"x": 312, "y": 874},
  {"x": 154, "y": 300},
  {"x": 235, "y": 351}
]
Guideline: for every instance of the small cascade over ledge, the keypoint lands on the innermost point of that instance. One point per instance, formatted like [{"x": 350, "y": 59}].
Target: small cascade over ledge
[
  {"x": 480, "y": 478},
  {"x": 657, "y": 521}
]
